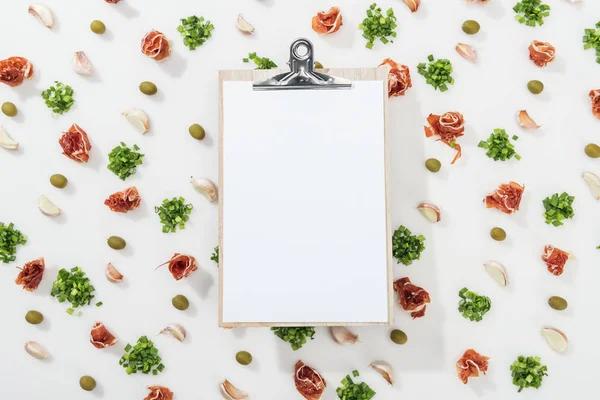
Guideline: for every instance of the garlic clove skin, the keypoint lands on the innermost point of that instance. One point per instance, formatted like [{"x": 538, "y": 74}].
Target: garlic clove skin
[
  {"x": 497, "y": 272},
  {"x": 206, "y": 188},
  {"x": 526, "y": 121},
  {"x": 82, "y": 64},
  {"x": 244, "y": 25},
  {"x": 230, "y": 392},
  {"x": 47, "y": 207},
  {"x": 593, "y": 182},
  {"x": 36, "y": 350},
  {"x": 430, "y": 212},
  {"x": 343, "y": 335},
  {"x": 385, "y": 370},
  {"x": 556, "y": 339},
  {"x": 413, "y": 4},
  {"x": 467, "y": 52},
  {"x": 43, "y": 14},
  {"x": 175, "y": 330},
  {"x": 112, "y": 274},
  {"x": 6, "y": 141},
  {"x": 138, "y": 118}
]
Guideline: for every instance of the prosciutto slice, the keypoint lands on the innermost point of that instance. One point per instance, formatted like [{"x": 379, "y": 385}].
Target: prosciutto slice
[
  {"x": 14, "y": 70},
  {"x": 156, "y": 45},
  {"x": 506, "y": 198},
  {"x": 181, "y": 266},
  {"x": 449, "y": 127},
  {"x": 75, "y": 144},
  {"x": 541, "y": 53},
  {"x": 31, "y": 274},
  {"x": 309, "y": 383},
  {"x": 100, "y": 337},
  {"x": 124, "y": 201},
  {"x": 325, "y": 23},
  {"x": 398, "y": 78},
  {"x": 412, "y": 298},
  {"x": 555, "y": 259},
  {"x": 595, "y": 97},
  {"x": 470, "y": 365},
  {"x": 159, "y": 393}
]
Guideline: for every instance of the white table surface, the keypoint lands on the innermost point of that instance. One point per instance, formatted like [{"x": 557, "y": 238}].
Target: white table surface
[{"x": 488, "y": 94}]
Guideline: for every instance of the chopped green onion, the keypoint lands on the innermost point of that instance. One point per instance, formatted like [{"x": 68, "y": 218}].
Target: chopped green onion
[
  {"x": 59, "y": 98},
  {"x": 98, "y": 304},
  {"x": 528, "y": 372},
  {"x": 531, "y": 12},
  {"x": 10, "y": 238},
  {"x": 173, "y": 213},
  {"x": 260, "y": 62},
  {"x": 437, "y": 73},
  {"x": 407, "y": 247},
  {"x": 591, "y": 40},
  {"x": 473, "y": 306},
  {"x": 499, "y": 147},
  {"x": 123, "y": 160},
  {"x": 295, "y": 336},
  {"x": 72, "y": 286},
  {"x": 558, "y": 208},
  {"x": 215, "y": 255},
  {"x": 351, "y": 390},
  {"x": 378, "y": 26},
  {"x": 142, "y": 357},
  {"x": 195, "y": 31}
]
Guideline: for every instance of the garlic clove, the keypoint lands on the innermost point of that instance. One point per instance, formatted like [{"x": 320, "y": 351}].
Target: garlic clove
[
  {"x": 429, "y": 211},
  {"x": 525, "y": 120},
  {"x": 593, "y": 182},
  {"x": 82, "y": 64},
  {"x": 413, "y": 4},
  {"x": 47, "y": 207},
  {"x": 385, "y": 370},
  {"x": 6, "y": 141},
  {"x": 343, "y": 335},
  {"x": 36, "y": 350},
  {"x": 244, "y": 25},
  {"x": 112, "y": 274},
  {"x": 43, "y": 14},
  {"x": 497, "y": 272},
  {"x": 556, "y": 339},
  {"x": 175, "y": 330},
  {"x": 205, "y": 187},
  {"x": 230, "y": 392},
  {"x": 467, "y": 52},
  {"x": 138, "y": 118}
]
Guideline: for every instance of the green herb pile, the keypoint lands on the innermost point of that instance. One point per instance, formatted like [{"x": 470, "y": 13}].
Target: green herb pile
[
  {"x": 472, "y": 305},
  {"x": 591, "y": 40},
  {"x": 215, "y": 255},
  {"x": 261, "y": 62},
  {"x": 142, "y": 357},
  {"x": 351, "y": 390},
  {"x": 10, "y": 238},
  {"x": 499, "y": 147},
  {"x": 558, "y": 208},
  {"x": 377, "y": 25},
  {"x": 407, "y": 247},
  {"x": 73, "y": 286},
  {"x": 437, "y": 73},
  {"x": 123, "y": 160},
  {"x": 295, "y": 336},
  {"x": 59, "y": 98},
  {"x": 173, "y": 213},
  {"x": 531, "y": 12},
  {"x": 528, "y": 372},
  {"x": 195, "y": 31}
]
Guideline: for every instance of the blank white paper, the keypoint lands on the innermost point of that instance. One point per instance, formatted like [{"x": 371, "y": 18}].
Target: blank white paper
[{"x": 304, "y": 205}]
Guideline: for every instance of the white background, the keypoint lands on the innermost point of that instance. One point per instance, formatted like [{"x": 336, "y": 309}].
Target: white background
[{"x": 489, "y": 94}]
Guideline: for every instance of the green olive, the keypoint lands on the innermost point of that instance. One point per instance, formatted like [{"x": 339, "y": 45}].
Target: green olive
[
  {"x": 197, "y": 132},
  {"x": 535, "y": 87},
  {"x": 398, "y": 336},
  {"x": 34, "y": 317},
  {"x": 117, "y": 243},
  {"x": 498, "y": 234},
  {"x": 592, "y": 150},
  {"x": 98, "y": 27},
  {"x": 471, "y": 27},
  {"x": 9, "y": 109},
  {"x": 87, "y": 383},
  {"x": 558, "y": 303},
  {"x": 318, "y": 65},
  {"x": 59, "y": 181},
  {"x": 433, "y": 164},
  {"x": 180, "y": 302},
  {"x": 148, "y": 88},
  {"x": 243, "y": 357}
]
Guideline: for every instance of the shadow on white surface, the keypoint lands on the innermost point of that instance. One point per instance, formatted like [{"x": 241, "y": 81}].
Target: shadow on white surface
[
  {"x": 175, "y": 65},
  {"x": 125, "y": 9}
]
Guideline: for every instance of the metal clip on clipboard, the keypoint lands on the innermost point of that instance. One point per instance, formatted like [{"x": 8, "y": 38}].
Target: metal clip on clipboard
[{"x": 302, "y": 75}]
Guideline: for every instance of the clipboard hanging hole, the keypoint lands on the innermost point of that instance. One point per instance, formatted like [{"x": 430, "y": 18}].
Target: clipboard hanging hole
[{"x": 301, "y": 51}]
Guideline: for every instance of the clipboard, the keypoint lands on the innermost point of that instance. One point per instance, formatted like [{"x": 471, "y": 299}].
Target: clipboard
[{"x": 304, "y": 187}]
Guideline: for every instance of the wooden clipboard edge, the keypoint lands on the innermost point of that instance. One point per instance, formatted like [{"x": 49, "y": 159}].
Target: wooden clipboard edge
[{"x": 354, "y": 74}]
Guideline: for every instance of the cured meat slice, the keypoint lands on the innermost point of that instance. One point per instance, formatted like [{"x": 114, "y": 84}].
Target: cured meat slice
[
  {"x": 14, "y": 70},
  {"x": 181, "y": 265},
  {"x": 595, "y": 96},
  {"x": 112, "y": 1},
  {"x": 555, "y": 259},
  {"x": 541, "y": 53},
  {"x": 156, "y": 45},
  {"x": 398, "y": 78},
  {"x": 31, "y": 274},
  {"x": 124, "y": 201},
  {"x": 506, "y": 198},
  {"x": 159, "y": 393},
  {"x": 449, "y": 127},
  {"x": 309, "y": 383},
  {"x": 325, "y": 23},
  {"x": 100, "y": 337},
  {"x": 75, "y": 144},
  {"x": 470, "y": 365},
  {"x": 412, "y": 298}
]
